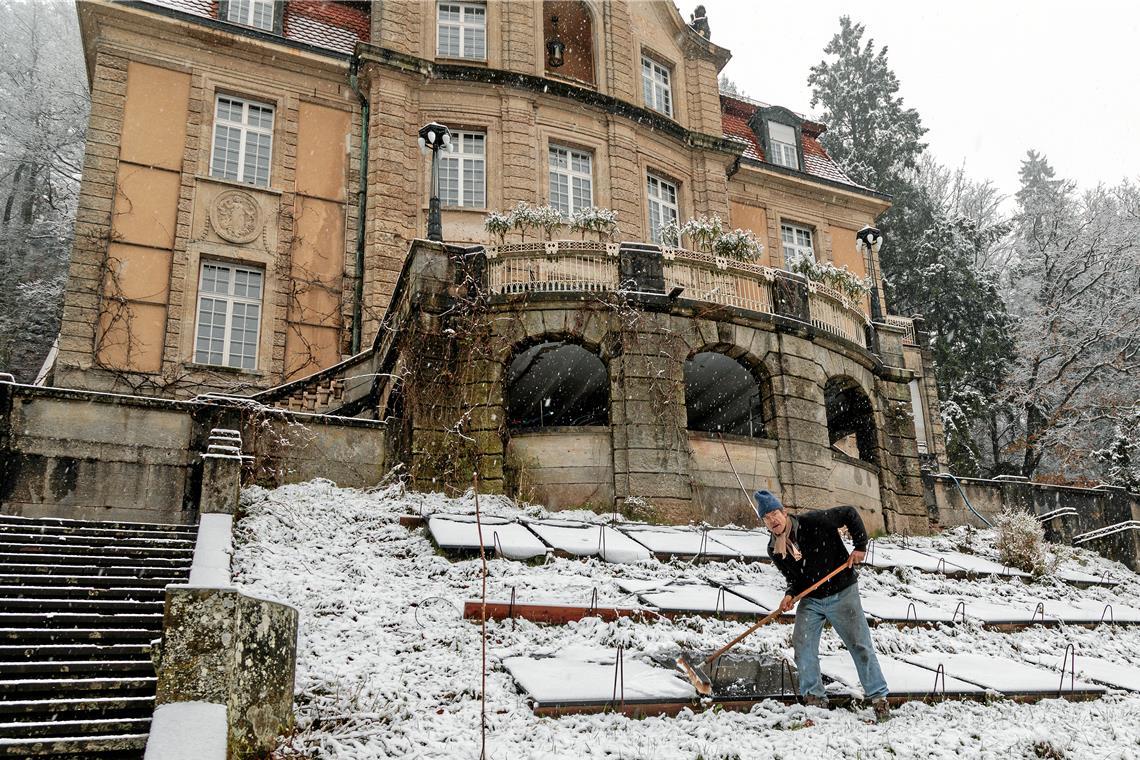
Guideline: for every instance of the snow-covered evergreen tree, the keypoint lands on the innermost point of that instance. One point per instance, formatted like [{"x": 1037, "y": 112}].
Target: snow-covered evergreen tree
[{"x": 1121, "y": 458}]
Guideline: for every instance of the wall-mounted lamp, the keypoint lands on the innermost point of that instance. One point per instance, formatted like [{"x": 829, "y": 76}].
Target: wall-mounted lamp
[{"x": 555, "y": 47}]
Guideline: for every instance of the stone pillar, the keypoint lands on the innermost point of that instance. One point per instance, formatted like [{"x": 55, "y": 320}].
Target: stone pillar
[
  {"x": 900, "y": 476},
  {"x": 223, "y": 647},
  {"x": 519, "y": 135},
  {"x": 221, "y": 473},
  {"x": 804, "y": 459},
  {"x": 647, "y": 402}
]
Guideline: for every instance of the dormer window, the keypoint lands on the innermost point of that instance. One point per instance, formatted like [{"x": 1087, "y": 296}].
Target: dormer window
[
  {"x": 260, "y": 14},
  {"x": 656, "y": 86},
  {"x": 782, "y": 145}
]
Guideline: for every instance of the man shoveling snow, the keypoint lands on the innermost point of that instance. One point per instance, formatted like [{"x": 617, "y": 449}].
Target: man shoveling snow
[{"x": 805, "y": 548}]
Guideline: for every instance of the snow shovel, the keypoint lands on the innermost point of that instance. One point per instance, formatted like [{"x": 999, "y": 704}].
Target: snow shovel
[{"x": 696, "y": 672}]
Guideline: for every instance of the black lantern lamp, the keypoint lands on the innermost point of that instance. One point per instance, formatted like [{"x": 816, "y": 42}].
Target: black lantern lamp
[
  {"x": 555, "y": 47},
  {"x": 434, "y": 137},
  {"x": 870, "y": 239}
]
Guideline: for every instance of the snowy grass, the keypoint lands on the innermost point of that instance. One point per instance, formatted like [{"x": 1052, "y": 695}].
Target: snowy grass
[{"x": 387, "y": 667}]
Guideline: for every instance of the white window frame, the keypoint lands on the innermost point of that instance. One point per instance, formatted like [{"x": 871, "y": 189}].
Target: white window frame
[
  {"x": 464, "y": 159},
  {"x": 782, "y": 152},
  {"x": 577, "y": 197},
  {"x": 245, "y": 12},
  {"x": 796, "y": 241},
  {"x": 471, "y": 28},
  {"x": 658, "y": 201},
  {"x": 245, "y": 131},
  {"x": 230, "y": 299},
  {"x": 657, "y": 85}
]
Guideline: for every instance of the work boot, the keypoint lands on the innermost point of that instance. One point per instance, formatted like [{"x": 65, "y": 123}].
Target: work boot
[
  {"x": 882, "y": 709},
  {"x": 813, "y": 701}
]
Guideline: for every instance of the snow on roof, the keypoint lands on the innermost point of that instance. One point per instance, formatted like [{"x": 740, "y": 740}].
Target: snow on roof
[
  {"x": 320, "y": 23},
  {"x": 735, "y": 113},
  {"x": 384, "y": 647}
]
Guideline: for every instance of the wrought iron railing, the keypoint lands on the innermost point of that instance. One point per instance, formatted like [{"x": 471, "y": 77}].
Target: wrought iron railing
[
  {"x": 713, "y": 279},
  {"x": 906, "y": 324}
]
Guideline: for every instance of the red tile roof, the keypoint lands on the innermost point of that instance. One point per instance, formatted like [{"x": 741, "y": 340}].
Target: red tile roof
[
  {"x": 735, "y": 114},
  {"x": 330, "y": 25}
]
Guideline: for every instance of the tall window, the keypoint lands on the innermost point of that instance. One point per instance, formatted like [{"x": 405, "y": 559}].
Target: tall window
[
  {"x": 655, "y": 86},
  {"x": 557, "y": 383},
  {"x": 571, "y": 180},
  {"x": 722, "y": 395},
  {"x": 229, "y": 313},
  {"x": 461, "y": 30},
  {"x": 256, "y": 13},
  {"x": 662, "y": 205},
  {"x": 463, "y": 171},
  {"x": 782, "y": 145},
  {"x": 797, "y": 242},
  {"x": 243, "y": 141}
]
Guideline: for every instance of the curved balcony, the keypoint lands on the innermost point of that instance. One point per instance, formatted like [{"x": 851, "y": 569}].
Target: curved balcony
[{"x": 584, "y": 266}]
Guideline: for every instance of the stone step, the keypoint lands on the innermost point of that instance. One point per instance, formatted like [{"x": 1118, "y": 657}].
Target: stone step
[
  {"x": 19, "y": 560},
  {"x": 61, "y": 523},
  {"x": 125, "y": 572},
  {"x": 182, "y": 551},
  {"x": 96, "y": 579},
  {"x": 30, "y": 689},
  {"x": 27, "y": 729},
  {"x": 38, "y": 620},
  {"x": 74, "y": 669},
  {"x": 74, "y": 539},
  {"x": 81, "y": 593},
  {"x": 74, "y": 748},
  {"x": 25, "y": 636},
  {"x": 31, "y": 709},
  {"x": 45, "y": 651},
  {"x": 96, "y": 606}
]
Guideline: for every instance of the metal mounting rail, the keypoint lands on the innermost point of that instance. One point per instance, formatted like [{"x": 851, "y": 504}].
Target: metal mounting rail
[
  {"x": 1062, "y": 512},
  {"x": 1108, "y": 530}
]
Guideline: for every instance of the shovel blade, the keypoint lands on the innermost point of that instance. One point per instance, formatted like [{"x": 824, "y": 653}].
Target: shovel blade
[{"x": 694, "y": 670}]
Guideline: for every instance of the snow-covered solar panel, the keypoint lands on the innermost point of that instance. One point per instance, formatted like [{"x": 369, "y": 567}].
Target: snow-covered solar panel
[
  {"x": 984, "y": 611},
  {"x": 768, "y": 597},
  {"x": 581, "y": 676},
  {"x": 1109, "y": 612},
  {"x": 903, "y": 678},
  {"x": 972, "y": 563},
  {"x": 1078, "y": 576},
  {"x": 460, "y": 532},
  {"x": 678, "y": 542},
  {"x": 896, "y": 609},
  {"x": 749, "y": 544},
  {"x": 897, "y": 556},
  {"x": 693, "y": 597},
  {"x": 582, "y": 539},
  {"x": 1000, "y": 673},
  {"x": 1093, "y": 669}
]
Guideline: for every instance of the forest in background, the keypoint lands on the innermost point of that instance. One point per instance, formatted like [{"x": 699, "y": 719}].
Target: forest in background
[{"x": 1031, "y": 301}]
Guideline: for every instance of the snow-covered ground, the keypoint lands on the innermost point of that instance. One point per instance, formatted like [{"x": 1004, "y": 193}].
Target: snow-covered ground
[{"x": 388, "y": 668}]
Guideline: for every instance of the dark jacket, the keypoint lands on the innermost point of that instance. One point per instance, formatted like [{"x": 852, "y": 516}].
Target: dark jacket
[{"x": 817, "y": 536}]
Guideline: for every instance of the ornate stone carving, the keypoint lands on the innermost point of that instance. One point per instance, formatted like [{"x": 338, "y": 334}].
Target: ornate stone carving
[{"x": 236, "y": 216}]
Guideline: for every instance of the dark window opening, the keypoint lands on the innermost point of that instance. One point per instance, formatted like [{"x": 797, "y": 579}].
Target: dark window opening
[
  {"x": 576, "y": 31},
  {"x": 556, "y": 384},
  {"x": 722, "y": 395},
  {"x": 850, "y": 419}
]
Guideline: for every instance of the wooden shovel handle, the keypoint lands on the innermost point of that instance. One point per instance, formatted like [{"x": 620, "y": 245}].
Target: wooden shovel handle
[{"x": 774, "y": 614}]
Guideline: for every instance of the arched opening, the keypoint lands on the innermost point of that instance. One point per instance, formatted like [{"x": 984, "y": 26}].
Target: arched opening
[
  {"x": 556, "y": 383},
  {"x": 724, "y": 396},
  {"x": 576, "y": 31},
  {"x": 850, "y": 419}
]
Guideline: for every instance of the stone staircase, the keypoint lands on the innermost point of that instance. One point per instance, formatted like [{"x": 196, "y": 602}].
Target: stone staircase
[{"x": 80, "y": 602}]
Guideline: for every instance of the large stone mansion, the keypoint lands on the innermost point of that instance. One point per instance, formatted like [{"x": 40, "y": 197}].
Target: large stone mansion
[{"x": 252, "y": 216}]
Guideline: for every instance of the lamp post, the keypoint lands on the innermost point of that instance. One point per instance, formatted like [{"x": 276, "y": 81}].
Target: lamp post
[
  {"x": 870, "y": 240},
  {"x": 434, "y": 137}
]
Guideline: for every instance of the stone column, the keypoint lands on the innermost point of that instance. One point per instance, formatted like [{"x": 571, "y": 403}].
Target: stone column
[
  {"x": 900, "y": 476},
  {"x": 804, "y": 454}
]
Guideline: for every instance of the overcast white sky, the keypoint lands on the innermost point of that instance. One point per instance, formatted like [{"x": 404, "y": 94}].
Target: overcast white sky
[{"x": 990, "y": 79}]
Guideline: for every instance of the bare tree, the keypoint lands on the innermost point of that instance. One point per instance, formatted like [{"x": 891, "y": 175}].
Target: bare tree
[{"x": 43, "y": 119}]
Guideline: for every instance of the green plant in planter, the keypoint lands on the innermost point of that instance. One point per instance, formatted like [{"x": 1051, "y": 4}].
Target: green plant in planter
[
  {"x": 594, "y": 219},
  {"x": 843, "y": 280},
  {"x": 498, "y": 225},
  {"x": 738, "y": 245}
]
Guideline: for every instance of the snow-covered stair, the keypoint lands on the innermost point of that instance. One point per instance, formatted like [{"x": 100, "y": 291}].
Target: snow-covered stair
[{"x": 80, "y": 602}]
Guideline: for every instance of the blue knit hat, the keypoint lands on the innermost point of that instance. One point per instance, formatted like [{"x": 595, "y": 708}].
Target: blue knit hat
[{"x": 766, "y": 502}]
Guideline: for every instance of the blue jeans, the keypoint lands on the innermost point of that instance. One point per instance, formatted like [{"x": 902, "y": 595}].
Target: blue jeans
[{"x": 845, "y": 613}]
